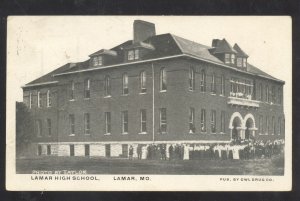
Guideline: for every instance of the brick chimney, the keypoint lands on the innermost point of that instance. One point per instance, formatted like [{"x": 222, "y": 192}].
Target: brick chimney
[{"x": 142, "y": 30}]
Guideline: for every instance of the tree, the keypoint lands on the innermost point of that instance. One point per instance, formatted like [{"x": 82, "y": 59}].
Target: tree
[{"x": 24, "y": 128}]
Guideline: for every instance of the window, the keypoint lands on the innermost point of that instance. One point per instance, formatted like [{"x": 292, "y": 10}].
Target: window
[
  {"x": 279, "y": 126},
  {"x": 49, "y": 127},
  {"x": 261, "y": 129},
  {"x": 49, "y": 99},
  {"x": 222, "y": 122},
  {"x": 136, "y": 54},
  {"x": 48, "y": 150},
  {"x": 273, "y": 126},
  {"x": 125, "y": 122},
  {"x": 72, "y": 150},
  {"x": 87, "y": 93},
  {"x": 107, "y": 85},
  {"x": 143, "y": 82},
  {"x": 279, "y": 96},
  {"x": 213, "y": 121},
  {"x": 130, "y": 55},
  {"x": 239, "y": 62},
  {"x": 273, "y": 93},
  {"x": 87, "y": 123},
  {"x": 192, "y": 121},
  {"x": 261, "y": 92},
  {"x": 163, "y": 120},
  {"x": 203, "y": 81},
  {"x": 267, "y": 125},
  {"x": 107, "y": 123},
  {"x": 30, "y": 100},
  {"x": 39, "y": 150},
  {"x": 203, "y": 120},
  {"x": 213, "y": 84},
  {"x": 72, "y": 90},
  {"x": 98, "y": 60},
  {"x": 222, "y": 85},
  {"x": 39, "y": 99},
  {"x": 163, "y": 80},
  {"x": 232, "y": 58},
  {"x": 267, "y": 94},
  {"x": 244, "y": 62},
  {"x": 86, "y": 149},
  {"x": 191, "y": 79},
  {"x": 143, "y": 121},
  {"x": 72, "y": 124},
  {"x": 227, "y": 58},
  {"x": 125, "y": 90},
  {"x": 39, "y": 127}
]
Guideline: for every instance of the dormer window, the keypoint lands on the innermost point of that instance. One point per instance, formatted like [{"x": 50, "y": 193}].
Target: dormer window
[
  {"x": 232, "y": 58},
  {"x": 227, "y": 58},
  {"x": 133, "y": 55},
  {"x": 244, "y": 62},
  {"x": 239, "y": 62},
  {"x": 97, "y": 61}
]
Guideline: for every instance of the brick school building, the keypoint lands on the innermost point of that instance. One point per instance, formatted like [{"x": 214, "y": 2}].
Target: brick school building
[{"x": 153, "y": 89}]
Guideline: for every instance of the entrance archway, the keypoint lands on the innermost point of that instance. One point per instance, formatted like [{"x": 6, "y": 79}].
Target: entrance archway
[
  {"x": 235, "y": 125},
  {"x": 249, "y": 125}
]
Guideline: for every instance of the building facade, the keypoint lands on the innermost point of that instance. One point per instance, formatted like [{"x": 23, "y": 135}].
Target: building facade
[{"x": 154, "y": 89}]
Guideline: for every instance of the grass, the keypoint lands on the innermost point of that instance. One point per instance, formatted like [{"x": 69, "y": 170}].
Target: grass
[{"x": 97, "y": 165}]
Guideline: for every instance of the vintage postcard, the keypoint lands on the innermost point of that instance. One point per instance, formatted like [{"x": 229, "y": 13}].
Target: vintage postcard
[{"x": 149, "y": 103}]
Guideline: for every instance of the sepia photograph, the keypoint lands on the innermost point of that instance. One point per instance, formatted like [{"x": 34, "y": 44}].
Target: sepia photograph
[{"x": 149, "y": 103}]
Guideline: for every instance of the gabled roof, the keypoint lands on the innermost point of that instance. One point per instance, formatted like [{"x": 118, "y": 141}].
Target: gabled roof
[
  {"x": 254, "y": 70},
  {"x": 240, "y": 52},
  {"x": 104, "y": 51},
  {"x": 48, "y": 77},
  {"x": 166, "y": 45},
  {"x": 195, "y": 49},
  {"x": 223, "y": 47}
]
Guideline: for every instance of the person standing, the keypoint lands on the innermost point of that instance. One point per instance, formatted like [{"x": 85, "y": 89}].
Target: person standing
[
  {"x": 171, "y": 152},
  {"x": 130, "y": 152},
  {"x": 139, "y": 152}
]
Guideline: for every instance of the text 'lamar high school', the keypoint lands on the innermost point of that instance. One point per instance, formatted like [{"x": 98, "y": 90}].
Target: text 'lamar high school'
[{"x": 154, "y": 89}]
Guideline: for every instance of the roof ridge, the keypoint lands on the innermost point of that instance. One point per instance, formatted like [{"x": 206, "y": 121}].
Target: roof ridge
[{"x": 190, "y": 40}]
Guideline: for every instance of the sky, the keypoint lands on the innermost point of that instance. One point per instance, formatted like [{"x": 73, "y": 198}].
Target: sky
[{"x": 40, "y": 44}]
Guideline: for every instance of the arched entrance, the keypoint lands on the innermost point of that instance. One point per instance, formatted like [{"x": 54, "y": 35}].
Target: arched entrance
[
  {"x": 235, "y": 125},
  {"x": 249, "y": 126}
]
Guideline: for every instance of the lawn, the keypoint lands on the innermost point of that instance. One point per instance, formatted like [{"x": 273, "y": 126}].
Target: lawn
[{"x": 96, "y": 165}]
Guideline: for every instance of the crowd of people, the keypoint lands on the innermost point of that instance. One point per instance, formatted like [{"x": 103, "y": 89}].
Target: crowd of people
[
  {"x": 235, "y": 150},
  {"x": 241, "y": 150}
]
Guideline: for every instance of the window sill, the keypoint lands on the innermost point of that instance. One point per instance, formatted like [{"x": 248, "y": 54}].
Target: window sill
[
  {"x": 107, "y": 134},
  {"x": 222, "y": 133},
  {"x": 72, "y": 100},
  {"x": 191, "y": 90},
  {"x": 124, "y": 94},
  {"x": 214, "y": 133},
  {"x": 222, "y": 95},
  {"x": 49, "y": 106},
  {"x": 163, "y": 91},
  {"x": 107, "y": 96},
  {"x": 72, "y": 135},
  {"x": 142, "y": 93},
  {"x": 213, "y": 94},
  {"x": 143, "y": 133},
  {"x": 125, "y": 133}
]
